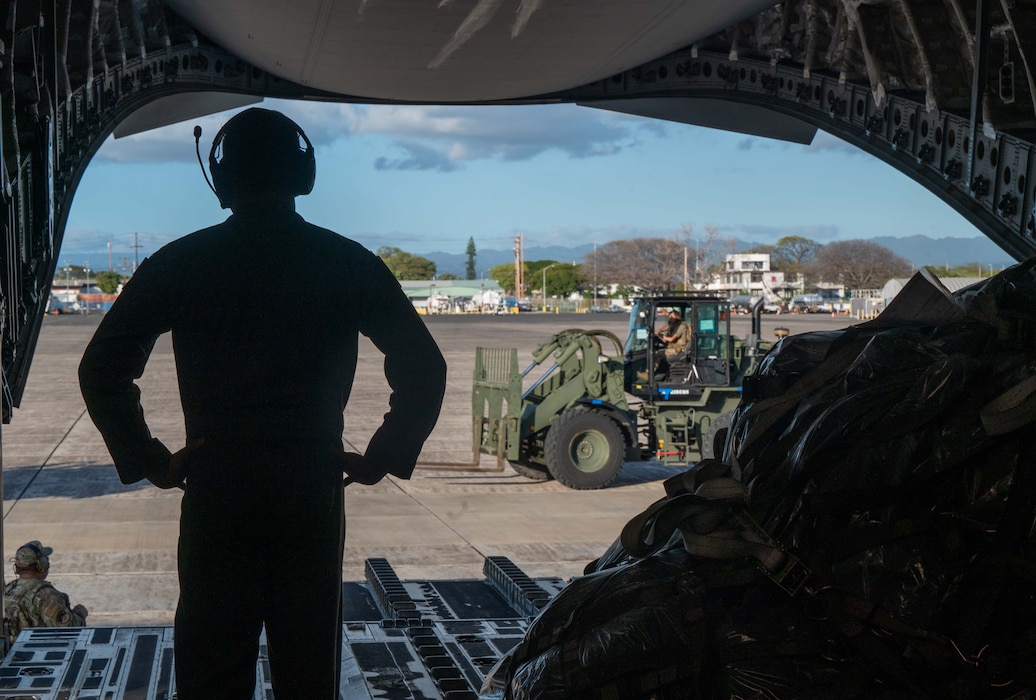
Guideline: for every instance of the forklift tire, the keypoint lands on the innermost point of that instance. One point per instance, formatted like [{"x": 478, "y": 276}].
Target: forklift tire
[
  {"x": 716, "y": 437},
  {"x": 531, "y": 471},
  {"x": 584, "y": 449}
]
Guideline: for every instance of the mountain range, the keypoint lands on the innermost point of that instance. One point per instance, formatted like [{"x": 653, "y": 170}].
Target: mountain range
[{"x": 919, "y": 250}]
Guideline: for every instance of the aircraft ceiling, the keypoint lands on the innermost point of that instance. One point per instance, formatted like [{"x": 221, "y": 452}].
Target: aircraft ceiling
[
  {"x": 456, "y": 51},
  {"x": 940, "y": 89}
]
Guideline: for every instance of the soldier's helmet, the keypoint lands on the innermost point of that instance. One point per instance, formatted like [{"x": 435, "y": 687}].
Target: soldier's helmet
[{"x": 33, "y": 554}]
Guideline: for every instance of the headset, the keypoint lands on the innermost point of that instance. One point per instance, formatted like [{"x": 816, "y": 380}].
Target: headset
[
  {"x": 42, "y": 562},
  {"x": 266, "y": 127}
]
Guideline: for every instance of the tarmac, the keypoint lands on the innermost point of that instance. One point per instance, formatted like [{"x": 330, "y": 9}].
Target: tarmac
[{"x": 115, "y": 545}]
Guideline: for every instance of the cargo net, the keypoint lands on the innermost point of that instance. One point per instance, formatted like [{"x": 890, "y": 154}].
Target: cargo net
[{"x": 868, "y": 533}]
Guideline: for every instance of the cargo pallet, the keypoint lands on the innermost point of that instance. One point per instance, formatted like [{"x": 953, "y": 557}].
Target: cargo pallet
[{"x": 404, "y": 640}]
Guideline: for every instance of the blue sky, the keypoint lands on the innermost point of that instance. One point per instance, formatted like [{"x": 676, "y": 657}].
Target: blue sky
[{"x": 427, "y": 178}]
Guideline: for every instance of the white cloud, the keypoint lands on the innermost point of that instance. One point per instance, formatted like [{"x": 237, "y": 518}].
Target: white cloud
[
  {"x": 573, "y": 236},
  {"x": 429, "y": 137}
]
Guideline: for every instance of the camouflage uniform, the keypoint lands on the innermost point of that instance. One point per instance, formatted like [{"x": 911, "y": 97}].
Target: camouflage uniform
[
  {"x": 31, "y": 602},
  {"x": 34, "y": 602},
  {"x": 681, "y": 334}
]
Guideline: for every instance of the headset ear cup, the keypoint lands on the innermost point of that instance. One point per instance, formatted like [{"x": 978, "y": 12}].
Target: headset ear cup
[
  {"x": 218, "y": 171},
  {"x": 219, "y": 183},
  {"x": 306, "y": 172}
]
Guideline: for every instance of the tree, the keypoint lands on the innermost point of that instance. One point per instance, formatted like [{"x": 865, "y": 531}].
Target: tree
[
  {"x": 648, "y": 263},
  {"x": 504, "y": 276},
  {"x": 447, "y": 276},
  {"x": 406, "y": 266},
  {"x": 108, "y": 281},
  {"x": 793, "y": 253},
  {"x": 469, "y": 266},
  {"x": 763, "y": 249},
  {"x": 566, "y": 279},
  {"x": 562, "y": 278},
  {"x": 858, "y": 264},
  {"x": 708, "y": 251}
]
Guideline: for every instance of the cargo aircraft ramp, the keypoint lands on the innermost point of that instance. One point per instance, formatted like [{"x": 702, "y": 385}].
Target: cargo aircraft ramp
[{"x": 404, "y": 640}]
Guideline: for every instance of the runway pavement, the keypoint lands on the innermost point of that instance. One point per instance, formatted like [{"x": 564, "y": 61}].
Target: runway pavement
[{"x": 115, "y": 545}]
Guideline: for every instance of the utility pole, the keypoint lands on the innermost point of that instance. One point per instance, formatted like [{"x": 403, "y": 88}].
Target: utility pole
[
  {"x": 543, "y": 290},
  {"x": 136, "y": 248},
  {"x": 519, "y": 265},
  {"x": 111, "y": 267}
]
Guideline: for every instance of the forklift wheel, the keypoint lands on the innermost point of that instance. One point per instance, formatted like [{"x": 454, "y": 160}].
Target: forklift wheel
[
  {"x": 584, "y": 449},
  {"x": 531, "y": 471}
]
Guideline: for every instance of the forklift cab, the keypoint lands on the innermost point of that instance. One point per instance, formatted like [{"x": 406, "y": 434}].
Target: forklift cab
[{"x": 681, "y": 373}]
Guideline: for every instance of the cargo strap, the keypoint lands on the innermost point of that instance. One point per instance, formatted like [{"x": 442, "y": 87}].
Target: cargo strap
[
  {"x": 1013, "y": 409},
  {"x": 713, "y": 523}
]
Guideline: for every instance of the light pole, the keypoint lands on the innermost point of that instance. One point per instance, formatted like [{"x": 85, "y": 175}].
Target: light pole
[
  {"x": 66, "y": 304},
  {"x": 86, "y": 270},
  {"x": 543, "y": 289},
  {"x": 595, "y": 275},
  {"x": 431, "y": 299}
]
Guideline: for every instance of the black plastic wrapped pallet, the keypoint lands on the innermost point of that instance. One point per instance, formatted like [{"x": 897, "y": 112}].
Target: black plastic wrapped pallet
[{"x": 891, "y": 467}]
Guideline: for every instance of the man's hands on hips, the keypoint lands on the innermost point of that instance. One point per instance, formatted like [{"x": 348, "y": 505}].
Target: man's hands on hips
[
  {"x": 358, "y": 469},
  {"x": 176, "y": 470}
]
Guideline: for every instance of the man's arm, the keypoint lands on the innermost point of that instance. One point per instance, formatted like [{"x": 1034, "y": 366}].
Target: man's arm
[
  {"x": 415, "y": 370},
  {"x": 111, "y": 364}
]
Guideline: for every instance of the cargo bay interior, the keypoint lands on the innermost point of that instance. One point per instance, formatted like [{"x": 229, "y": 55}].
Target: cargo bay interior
[{"x": 940, "y": 90}]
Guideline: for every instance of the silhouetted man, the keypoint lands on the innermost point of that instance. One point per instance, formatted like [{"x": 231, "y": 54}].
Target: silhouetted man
[{"x": 264, "y": 381}]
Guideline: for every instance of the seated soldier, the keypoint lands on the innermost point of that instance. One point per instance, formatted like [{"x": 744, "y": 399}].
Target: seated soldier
[
  {"x": 31, "y": 600},
  {"x": 675, "y": 334}
]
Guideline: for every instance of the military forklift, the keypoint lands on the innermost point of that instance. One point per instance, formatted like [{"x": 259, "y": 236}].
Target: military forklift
[{"x": 600, "y": 402}]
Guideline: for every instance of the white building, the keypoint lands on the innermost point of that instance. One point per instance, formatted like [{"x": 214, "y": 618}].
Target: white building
[
  {"x": 749, "y": 273},
  {"x": 450, "y": 296},
  {"x": 953, "y": 284}
]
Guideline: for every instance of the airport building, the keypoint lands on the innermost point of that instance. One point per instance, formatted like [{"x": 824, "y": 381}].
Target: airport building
[{"x": 453, "y": 296}]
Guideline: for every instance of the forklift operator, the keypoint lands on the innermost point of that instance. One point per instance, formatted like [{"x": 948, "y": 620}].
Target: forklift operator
[{"x": 676, "y": 334}]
